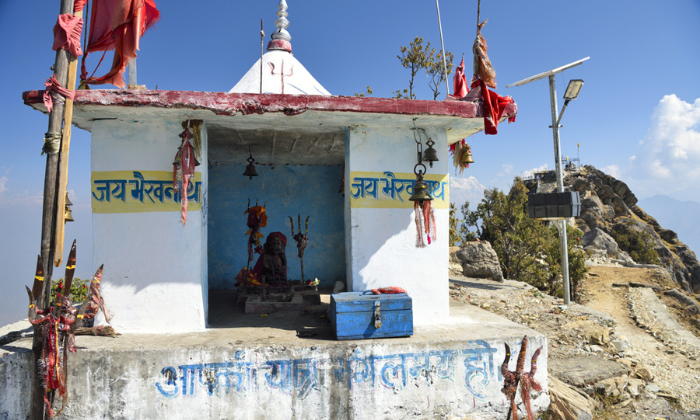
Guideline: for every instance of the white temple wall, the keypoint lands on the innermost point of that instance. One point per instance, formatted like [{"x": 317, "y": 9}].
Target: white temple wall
[
  {"x": 381, "y": 240},
  {"x": 155, "y": 268}
]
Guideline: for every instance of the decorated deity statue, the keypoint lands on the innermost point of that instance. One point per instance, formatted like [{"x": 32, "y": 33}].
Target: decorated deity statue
[{"x": 274, "y": 259}]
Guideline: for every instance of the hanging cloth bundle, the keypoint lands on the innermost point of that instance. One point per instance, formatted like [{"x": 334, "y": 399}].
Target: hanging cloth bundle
[
  {"x": 425, "y": 222},
  {"x": 183, "y": 170},
  {"x": 485, "y": 77},
  {"x": 483, "y": 70},
  {"x": 459, "y": 152}
]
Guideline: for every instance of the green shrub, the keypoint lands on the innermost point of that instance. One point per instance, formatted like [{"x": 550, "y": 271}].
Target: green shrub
[
  {"x": 78, "y": 289},
  {"x": 637, "y": 243},
  {"x": 527, "y": 249}
]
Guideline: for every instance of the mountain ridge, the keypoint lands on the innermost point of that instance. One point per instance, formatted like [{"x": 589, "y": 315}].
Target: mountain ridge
[{"x": 609, "y": 207}]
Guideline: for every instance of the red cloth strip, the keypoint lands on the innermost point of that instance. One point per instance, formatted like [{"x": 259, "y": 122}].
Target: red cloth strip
[
  {"x": 494, "y": 106},
  {"x": 388, "y": 290},
  {"x": 66, "y": 34},
  {"x": 51, "y": 86},
  {"x": 79, "y": 5},
  {"x": 460, "y": 87}
]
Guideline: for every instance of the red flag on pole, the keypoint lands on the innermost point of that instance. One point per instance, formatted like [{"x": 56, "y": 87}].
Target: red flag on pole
[
  {"x": 117, "y": 25},
  {"x": 460, "y": 87}
]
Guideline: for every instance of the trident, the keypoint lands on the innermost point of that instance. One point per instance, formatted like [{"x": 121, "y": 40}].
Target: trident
[{"x": 302, "y": 240}]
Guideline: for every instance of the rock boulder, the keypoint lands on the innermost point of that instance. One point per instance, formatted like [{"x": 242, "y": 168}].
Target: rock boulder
[
  {"x": 596, "y": 238},
  {"x": 478, "y": 260}
]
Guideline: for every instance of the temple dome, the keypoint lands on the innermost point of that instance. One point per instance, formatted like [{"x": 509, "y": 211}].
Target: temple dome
[{"x": 281, "y": 72}]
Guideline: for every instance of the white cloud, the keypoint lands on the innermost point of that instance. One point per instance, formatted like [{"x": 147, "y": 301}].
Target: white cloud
[
  {"x": 668, "y": 156},
  {"x": 21, "y": 200},
  {"x": 507, "y": 170},
  {"x": 465, "y": 189},
  {"x": 612, "y": 170},
  {"x": 530, "y": 172},
  {"x": 3, "y": 183}
]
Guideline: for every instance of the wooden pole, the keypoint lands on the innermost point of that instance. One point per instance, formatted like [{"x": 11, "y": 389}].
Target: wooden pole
[
  {"x": 65, "y": 150},
  {"x": 36, "y": 409}
]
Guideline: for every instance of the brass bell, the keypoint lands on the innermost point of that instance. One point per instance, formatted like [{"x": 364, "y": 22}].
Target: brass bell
[
  {"x": 467, "y": 157},
  {"x": 420, "y": 191},
  {"x": 250, "y": 171},
  {"x": 68, "y": 214},
  {"x": 430, "y": 155}
]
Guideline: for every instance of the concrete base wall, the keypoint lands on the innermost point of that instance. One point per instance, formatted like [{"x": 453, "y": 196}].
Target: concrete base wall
[{"x": 211, "y": 376}]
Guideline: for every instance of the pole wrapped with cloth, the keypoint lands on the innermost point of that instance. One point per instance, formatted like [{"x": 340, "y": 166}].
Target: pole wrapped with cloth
[
  {"x": 67, "y": 31},
  {"x": 117, "y": 25}
]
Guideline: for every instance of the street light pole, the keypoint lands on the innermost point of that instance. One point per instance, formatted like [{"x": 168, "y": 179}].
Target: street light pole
[
  {"x": 571, "y": 93},
  {"x": 561, "y": 224}
]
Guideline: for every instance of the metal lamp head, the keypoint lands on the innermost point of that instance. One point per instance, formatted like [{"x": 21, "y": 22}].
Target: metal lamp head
[
  {"x": 250, "y": 171},
  {"x": 573, "y": 89}
]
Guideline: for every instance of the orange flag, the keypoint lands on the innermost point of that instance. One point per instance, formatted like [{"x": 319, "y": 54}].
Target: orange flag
[{"x": 117, "y": 25}]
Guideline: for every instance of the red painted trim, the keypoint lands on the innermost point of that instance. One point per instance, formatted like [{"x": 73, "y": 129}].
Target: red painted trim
[
  {"x": 279, "y": 44},
  {"x": 249, "y": 103}
]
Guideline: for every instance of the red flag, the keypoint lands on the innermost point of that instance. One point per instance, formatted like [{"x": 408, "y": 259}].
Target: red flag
[
  {"x": 494, "y": 106},
  {"x": 117, "y": 25},
  {"x": 461, "y": 87}
]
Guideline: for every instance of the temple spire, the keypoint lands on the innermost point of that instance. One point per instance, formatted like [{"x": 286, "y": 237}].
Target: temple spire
[{"x": 281, "y": 38}]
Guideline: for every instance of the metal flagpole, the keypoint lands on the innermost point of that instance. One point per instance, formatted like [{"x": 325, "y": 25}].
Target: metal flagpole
[{"x": 442, "y": 44}]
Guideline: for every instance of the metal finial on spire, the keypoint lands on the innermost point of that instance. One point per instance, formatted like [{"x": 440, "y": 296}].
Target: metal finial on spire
[
  {"x": 280, "y": 38},
  {"x": 281, "y": 22}
]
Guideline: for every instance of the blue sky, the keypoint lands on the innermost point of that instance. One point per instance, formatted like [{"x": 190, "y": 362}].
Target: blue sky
[{"x": 637, "y": 116}]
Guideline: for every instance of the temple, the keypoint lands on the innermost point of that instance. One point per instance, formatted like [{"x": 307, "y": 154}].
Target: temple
[
  {"x": 347, "y": 163},
  {"x": 189, "y": 187}
]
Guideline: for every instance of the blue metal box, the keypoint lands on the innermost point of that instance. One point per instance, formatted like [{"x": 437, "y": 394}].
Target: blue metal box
[{"x": 365, "y": 315}]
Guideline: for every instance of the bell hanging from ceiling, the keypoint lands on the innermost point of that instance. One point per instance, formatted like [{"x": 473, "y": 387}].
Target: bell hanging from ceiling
[
  {"x": 250, "y": 171},
  {"x": 420, "y": 191},
  {"x": 68, "y": 215},
  {"x": 430, "y": 155},
  {"x": 466, "y": 157}
]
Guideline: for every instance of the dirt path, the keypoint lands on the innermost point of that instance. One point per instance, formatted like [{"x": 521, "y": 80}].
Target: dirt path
[
  {"x": 674, "y": 371},
  {"x": 602, "y": 296}
]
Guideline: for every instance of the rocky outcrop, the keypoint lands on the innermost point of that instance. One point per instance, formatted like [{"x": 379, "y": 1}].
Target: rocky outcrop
[
  {"x": 607, "y": 206},
  {"x": 567, "y": 402},
  {"x": 598, "y": 239},
  {"x": 476, "y": 259}
]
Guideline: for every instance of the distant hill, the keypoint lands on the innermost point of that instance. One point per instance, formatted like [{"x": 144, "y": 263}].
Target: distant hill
[{"x": 683, "y": 217}]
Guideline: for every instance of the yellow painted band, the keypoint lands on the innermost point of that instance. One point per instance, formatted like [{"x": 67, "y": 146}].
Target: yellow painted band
[
  {"x": 31, "y": 306},
  {"x": 70, "y": 267},
  {"x": 81, "y": 316},
  {"x": 40, "y": 278}
]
